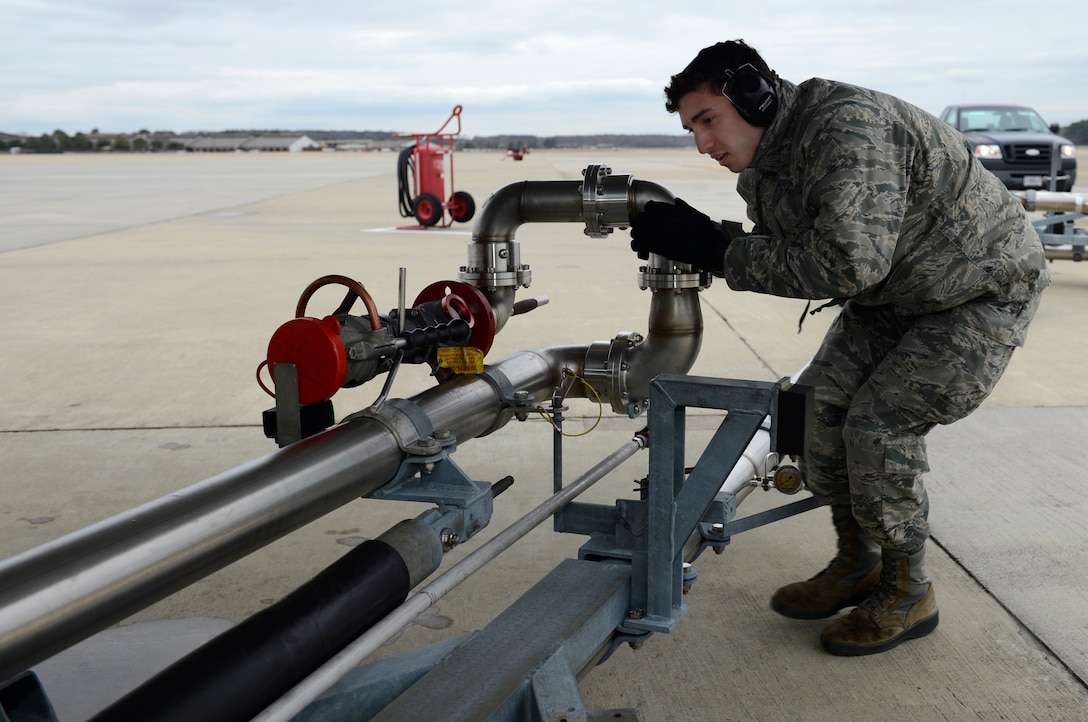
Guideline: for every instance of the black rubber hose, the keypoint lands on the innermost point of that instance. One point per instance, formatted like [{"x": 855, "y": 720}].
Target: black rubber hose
[
  {"x": 241, "y": 672},
  {"x": 405, "y": 168}
]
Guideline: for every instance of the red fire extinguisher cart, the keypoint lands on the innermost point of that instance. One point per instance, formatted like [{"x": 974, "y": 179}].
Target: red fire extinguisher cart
[{"x": 423, "y": 180}]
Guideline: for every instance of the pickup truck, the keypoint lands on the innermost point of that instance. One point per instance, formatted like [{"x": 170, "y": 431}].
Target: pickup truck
[{"x": 1014, "y": 143}]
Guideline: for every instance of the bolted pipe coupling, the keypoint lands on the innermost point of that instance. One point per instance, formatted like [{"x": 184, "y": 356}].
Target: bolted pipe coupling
[
  {"x": 604, "y": 200},
  {"x": 611, "y": 201},
  {"x": 605, "y": 369},
  {"x": 495, "y": 265},
  {"x": 660, "y": 274}
]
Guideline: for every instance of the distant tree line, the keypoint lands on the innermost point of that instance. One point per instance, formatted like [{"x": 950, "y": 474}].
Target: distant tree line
[
  {"x": 1077, "y": 132},
  {"x": 146, "y": 141},
  {"x": 60, "y": 142}
]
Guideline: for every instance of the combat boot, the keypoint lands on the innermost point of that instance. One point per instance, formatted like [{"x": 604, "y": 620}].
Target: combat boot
[
  {"x": 903, "y": 607},
  {"x": 850, "y": 577}
]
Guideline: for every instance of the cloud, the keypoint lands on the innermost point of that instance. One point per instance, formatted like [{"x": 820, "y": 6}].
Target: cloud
[{"x": 562, "y": 67}]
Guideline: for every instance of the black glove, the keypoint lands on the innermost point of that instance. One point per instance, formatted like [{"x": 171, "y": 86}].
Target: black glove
[{"x": 679, "y": 232}]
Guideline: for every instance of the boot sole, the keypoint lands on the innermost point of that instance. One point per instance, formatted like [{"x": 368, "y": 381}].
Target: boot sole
[{"x": 921, "y": 629}]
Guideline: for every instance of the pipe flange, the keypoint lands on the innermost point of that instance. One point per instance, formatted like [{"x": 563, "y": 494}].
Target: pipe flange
[
  {"x": 495, "y": 265},
  {"x": 604, "y": 200},
  {"x": 661, "y": 273},
  {"x": 662, "y": 279},
  {"x": 493, "y": 280},
  {"x": 605, "y": 369}
]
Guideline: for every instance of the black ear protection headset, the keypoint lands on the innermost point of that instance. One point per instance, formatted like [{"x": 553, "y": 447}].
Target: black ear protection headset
[{"x": 751, "y": 92}]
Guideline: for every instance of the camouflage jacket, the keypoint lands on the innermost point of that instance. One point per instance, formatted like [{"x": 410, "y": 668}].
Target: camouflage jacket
[{"x": 859, "y": 195}]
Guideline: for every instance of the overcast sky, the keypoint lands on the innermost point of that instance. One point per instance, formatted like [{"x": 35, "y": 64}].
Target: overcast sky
[{"x": 517, "y": 66}]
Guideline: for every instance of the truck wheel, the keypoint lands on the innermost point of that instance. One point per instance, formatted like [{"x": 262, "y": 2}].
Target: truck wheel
[
  {"x": 427, "y": 209},
  {"x": 462, "y": 207}
]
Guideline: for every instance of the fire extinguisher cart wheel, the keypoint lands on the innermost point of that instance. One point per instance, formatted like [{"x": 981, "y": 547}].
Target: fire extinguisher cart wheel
[
  {"x": 462, "y": 207},
  {"x": 427, "y": 209}
]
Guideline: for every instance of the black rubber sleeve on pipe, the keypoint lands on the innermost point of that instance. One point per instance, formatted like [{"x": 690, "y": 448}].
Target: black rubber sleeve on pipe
[{"x": 238, "y": 674}]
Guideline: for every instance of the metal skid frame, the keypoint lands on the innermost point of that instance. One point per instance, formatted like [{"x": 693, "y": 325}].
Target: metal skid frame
[
  {"x": 1075, "y": 238},
  {"x": 627, "y": 582}
]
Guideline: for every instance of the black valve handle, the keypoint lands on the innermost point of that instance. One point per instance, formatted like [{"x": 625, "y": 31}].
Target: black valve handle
[{"x": 454, "y": 333}]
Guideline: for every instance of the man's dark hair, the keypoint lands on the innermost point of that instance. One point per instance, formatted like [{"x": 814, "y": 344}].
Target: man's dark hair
[{"x": 711, "y": 67}]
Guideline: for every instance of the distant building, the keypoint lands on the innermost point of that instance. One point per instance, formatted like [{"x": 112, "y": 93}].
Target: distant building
[
  {"x": 366, "y": 145},
  {"x": 244, "y": 143}
]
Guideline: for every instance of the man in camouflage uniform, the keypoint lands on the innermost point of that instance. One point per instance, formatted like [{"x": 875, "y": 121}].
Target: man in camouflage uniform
[{"x": 862, "y": 198}]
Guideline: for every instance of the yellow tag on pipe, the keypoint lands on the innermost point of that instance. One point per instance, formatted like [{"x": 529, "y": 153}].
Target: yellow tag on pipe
[{"x": 461, "y": 360}]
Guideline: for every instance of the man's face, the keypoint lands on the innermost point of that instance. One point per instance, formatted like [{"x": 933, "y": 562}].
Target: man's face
[{"x": 718, "y": 129}]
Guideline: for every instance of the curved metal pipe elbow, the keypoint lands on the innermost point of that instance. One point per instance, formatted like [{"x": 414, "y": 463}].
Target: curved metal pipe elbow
[
  {"x": 508, "y": 208},
  {"x": 644, "y": 191},
  {"x": 604, "y": 201},
  {"x": 494, "y": 256},
  {"x": 600, "y": 200},
  {"x": 673, "y": 339},
  {"x": 621, "y": 369}
]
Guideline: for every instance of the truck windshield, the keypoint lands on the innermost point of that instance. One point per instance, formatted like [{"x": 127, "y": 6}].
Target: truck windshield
[{"x": 1007, "y": 119}]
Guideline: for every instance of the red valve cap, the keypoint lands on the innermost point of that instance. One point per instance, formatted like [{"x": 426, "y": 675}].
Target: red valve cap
[{"x": 313, "y": 345}]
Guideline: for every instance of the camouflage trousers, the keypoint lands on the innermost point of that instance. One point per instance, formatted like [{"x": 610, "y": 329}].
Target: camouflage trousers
[{"x": 882, "y": 383}]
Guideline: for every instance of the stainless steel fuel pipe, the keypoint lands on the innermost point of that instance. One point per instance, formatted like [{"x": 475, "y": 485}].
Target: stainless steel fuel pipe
[{"x": 62, "y": 592}]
